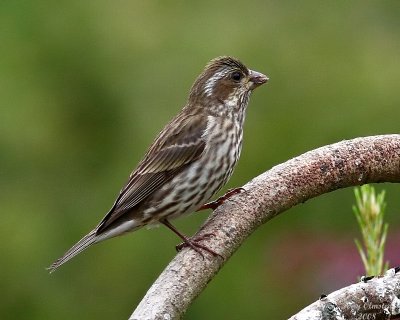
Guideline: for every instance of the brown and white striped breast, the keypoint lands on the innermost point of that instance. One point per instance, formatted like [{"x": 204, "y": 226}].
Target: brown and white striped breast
[{"x": 204, "y": 177}]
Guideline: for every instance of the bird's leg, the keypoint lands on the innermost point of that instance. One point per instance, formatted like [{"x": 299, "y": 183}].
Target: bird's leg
[
  {"x": 215, "y": 204},
  {"x": 187, "y": 242},
  {"x": 205, "y": 236}
]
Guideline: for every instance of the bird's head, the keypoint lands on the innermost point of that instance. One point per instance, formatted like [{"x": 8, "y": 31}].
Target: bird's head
[{"x": 225, "y": 81}]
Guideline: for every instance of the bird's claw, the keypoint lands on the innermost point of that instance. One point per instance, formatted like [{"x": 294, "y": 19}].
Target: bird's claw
[
  {"x": 196, "y": 246},
  {"x": 215, "y": 204}
]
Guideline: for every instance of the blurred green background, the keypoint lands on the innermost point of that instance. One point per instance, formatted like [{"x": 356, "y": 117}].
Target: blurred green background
[{"x": 86, "y": 85}]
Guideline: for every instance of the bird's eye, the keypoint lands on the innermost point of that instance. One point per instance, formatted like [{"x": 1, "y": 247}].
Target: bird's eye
[{"x": 236, "y": 76}]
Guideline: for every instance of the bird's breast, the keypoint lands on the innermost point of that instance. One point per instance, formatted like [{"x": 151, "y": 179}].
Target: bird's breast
[
  {"x": 224, "y": 143},
  {"x": 201, "y": 179}
]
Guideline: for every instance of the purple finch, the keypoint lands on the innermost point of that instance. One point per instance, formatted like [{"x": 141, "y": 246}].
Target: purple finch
[{"x": 188, "y": 162}]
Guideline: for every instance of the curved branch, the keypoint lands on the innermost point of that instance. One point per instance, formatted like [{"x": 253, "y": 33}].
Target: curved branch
[
  {"x": 375, "y": 298},
  {"x": 343, "y": 164}
]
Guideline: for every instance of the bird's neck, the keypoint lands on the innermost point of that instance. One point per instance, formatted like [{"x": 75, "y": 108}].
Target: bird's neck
[{"x": 233, "y": 107}]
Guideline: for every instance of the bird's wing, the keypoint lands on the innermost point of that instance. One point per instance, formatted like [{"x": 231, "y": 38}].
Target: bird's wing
[{"x": 179, "y": 144}]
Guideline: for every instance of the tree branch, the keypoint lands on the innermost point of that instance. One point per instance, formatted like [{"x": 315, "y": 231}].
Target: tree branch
[
  {"x": 375, "y": 298},
  {"x": 343, "y": 164}
]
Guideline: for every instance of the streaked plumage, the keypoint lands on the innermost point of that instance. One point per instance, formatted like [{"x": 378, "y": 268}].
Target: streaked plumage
[{"x": 189, "y": 161}]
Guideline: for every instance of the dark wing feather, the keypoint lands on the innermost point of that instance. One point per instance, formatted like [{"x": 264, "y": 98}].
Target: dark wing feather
[{"x": 169, "y": 154}]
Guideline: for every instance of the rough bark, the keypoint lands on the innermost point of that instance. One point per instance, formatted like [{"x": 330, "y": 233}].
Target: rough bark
[
  {"x": 343, "y": 164},
  {"x": 371, "y": 298}
]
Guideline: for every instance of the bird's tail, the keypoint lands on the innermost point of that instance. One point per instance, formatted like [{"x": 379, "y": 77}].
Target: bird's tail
[{"x": 81, "y": 245}]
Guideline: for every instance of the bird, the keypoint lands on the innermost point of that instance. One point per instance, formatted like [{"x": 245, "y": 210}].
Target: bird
[{"x": 190, "y": 160}]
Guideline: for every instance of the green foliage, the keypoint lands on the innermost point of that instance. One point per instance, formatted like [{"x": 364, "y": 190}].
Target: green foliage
[{"x": 369, "y": 211}]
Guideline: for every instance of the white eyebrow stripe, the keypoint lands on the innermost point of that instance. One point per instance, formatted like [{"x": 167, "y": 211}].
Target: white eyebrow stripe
[{"x": 210, "y": 83}]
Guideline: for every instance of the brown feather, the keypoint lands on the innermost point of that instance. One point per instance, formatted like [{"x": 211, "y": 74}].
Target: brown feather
[{"x": 170, "y": 152}]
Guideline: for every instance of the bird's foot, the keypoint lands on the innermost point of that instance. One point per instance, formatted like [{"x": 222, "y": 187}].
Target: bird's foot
[
  {"x": 192, "y": 243},
  {"x": 215, "y": 204},
  {"x": 196, "y": 246}
]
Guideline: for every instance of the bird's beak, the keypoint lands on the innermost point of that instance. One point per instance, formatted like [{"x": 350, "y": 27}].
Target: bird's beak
[{"x": 257, "y": 79}]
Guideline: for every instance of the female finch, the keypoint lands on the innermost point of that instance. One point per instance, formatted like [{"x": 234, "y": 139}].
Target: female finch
[{"x": 188, "y": 162}]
